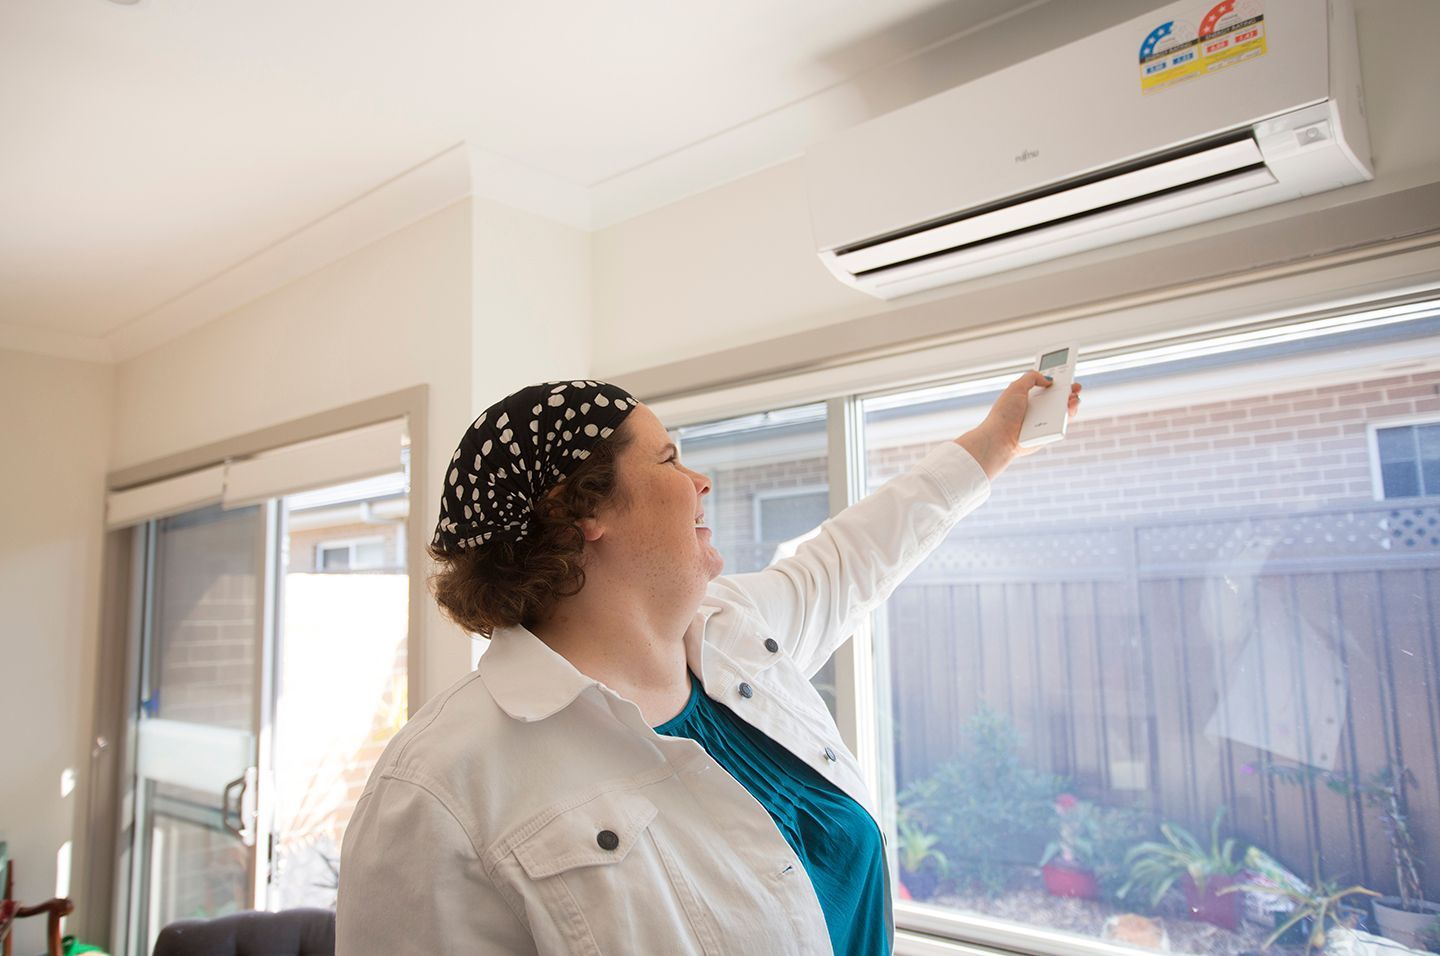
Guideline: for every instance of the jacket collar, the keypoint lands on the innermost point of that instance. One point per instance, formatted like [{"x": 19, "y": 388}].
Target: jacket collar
[{"x": 531, "y": 682}]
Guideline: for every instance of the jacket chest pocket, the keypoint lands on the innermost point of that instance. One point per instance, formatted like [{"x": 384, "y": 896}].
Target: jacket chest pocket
[{"x": 610, "y": 884}]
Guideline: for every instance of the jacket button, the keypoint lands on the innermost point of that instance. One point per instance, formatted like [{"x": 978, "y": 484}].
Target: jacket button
[
  {"x": 830, "y": 754},
  {"x": 746, "y": 690},
  {"x": 771, "y": 645},
  {"x": 607, "y": 840}
]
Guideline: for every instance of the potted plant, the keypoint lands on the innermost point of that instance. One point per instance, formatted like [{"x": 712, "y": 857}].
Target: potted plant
[
  {"x": 1315, "y": 910},
  {"x": 1156, "y": 867},
  {"x": 1406, "y": 917},
  {"x": 922, "y": 867},
  {"x": 1066, "y": 866}
]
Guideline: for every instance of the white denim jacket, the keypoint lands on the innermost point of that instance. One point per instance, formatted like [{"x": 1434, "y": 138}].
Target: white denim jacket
[{"x": 531, "y": 809}]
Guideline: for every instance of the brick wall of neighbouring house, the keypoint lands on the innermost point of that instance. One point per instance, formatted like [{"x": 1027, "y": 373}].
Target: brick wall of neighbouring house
[
  {"x": 1296, "y": 448},
  {"x": 205, "y": 622},
  {"x": 1299, "y": 448}
]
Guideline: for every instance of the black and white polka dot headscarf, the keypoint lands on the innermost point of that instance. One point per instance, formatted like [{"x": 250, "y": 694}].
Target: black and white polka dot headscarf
[{"x": 516, "y": 451}]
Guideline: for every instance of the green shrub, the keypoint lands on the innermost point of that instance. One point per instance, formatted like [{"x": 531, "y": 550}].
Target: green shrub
[{"x": 989, "y": 812}]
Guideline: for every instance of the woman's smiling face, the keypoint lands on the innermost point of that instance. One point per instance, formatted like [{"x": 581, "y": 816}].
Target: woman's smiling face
[{"x": 656, "y": 527}]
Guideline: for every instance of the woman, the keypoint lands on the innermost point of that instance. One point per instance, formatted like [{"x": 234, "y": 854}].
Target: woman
[{"x": 639, "y": 765}]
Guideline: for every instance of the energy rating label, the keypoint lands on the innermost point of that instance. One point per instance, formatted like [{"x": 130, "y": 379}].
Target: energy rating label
[
  {"x": 1169, "y": 54},
  {"x": 1176, "y": 50},
  {"x": 1231, "y": 32}
]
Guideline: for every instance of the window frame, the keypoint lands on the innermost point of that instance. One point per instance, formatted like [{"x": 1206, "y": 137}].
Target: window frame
[{"x": 1372, "y": 438}]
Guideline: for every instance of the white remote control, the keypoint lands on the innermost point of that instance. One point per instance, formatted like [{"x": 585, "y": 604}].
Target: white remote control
[{"x": 1049, "y": 411}]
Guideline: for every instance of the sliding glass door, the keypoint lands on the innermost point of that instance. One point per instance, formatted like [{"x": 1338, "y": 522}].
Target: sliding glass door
[
  {"x": 268, "y": 671},
  {"x": 199, "y": 718}
]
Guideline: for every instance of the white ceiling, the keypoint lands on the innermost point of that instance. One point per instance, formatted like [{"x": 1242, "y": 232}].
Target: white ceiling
[{"x": 149, "y": 148}]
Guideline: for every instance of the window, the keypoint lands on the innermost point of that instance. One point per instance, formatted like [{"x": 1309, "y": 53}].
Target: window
[
  {"x": 361, "y": 555},
  {"x": 782, "y": 516},
  {"x": 1407, "y": 459},
  {"x": 1192, "y": 610}
]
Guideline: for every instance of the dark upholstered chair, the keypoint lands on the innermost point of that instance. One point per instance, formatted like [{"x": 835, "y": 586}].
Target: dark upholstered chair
[{"x": 298, "y": 932}]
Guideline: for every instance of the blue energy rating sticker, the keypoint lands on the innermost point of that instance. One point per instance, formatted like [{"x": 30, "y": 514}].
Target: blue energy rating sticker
[
  {"x": 1168, "y": 55},
  {"x": 1176, "y": 50}
]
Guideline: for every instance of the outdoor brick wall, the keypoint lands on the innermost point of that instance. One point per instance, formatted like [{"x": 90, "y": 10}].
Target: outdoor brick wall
[
  {"x": 205, "y": 665},
  {"x": 1302, "y": 448}
]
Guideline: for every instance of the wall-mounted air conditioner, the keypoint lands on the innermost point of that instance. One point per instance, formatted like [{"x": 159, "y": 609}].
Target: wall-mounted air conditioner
[{"x": 1197, "y": 111}]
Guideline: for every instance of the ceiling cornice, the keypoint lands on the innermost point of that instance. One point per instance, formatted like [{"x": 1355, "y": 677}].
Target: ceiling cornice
[
  {"x": 24, "y": 338},
  {"x": 396, "y": 203}
]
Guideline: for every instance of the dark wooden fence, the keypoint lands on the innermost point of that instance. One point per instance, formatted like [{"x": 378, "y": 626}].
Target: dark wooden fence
[{"x": 1158, "y": 665}]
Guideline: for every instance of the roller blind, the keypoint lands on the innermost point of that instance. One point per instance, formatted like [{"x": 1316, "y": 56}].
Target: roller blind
[
  {"x": 168, "y": 496},
  {"x": 347, "y": 456},
  {"x": 353, "y": 455}
]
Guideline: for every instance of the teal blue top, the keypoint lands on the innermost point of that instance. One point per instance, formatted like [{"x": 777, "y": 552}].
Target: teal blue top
[{"x": 835, "y": 838}]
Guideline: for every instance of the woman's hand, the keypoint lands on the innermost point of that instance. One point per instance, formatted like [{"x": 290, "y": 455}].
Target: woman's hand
[{"x": 995, "y": 442}]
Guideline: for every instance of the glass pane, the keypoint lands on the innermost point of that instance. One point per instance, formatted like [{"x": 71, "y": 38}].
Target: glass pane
[
  {"x": 370, "y": 555},
  {"x": 1429, "y": 442},
  {"x": 341, "y": 686},
  {"x": 334, "y": 559},
  {"x": 1401, "y": 479},
  {"x": 787, "y": 516},
  {"x": 203, "y": 652},
  {"x": 1430, "y": 477},
  {"x": 196, "y": 734},
  {"x": 747, "y": 459},
  {"x": 1396, "y": 444},
  {"x": 198, "y": 868},
  {"x": 1183, "y": 612}
]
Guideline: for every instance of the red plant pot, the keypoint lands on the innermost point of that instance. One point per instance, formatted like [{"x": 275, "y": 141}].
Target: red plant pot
[
  {"x": 1064, "y": 880},
  {"x": 1211, "y": 907}
]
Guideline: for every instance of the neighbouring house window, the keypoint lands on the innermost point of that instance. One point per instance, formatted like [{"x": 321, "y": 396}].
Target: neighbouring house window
[
  {"x": 361, "y": 555},
  {"x": 1408, "y": 460},
  {"x": 783, "y": 515}
]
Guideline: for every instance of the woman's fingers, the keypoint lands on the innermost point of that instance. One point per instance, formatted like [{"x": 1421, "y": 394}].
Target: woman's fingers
[{"x": 1031, "y": 379}]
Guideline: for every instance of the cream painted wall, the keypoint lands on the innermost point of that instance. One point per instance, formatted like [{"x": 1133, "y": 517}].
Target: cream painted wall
[
  {"x": 735, "y": 265},
  {"x": 531, "y": 305},
  {"x": 394, "y": 315},
  {"x": 55, "y": 430}
]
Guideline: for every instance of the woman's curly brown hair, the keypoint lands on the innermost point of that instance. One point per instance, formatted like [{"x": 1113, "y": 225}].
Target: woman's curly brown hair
[{"x": 502, "y": 584}]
